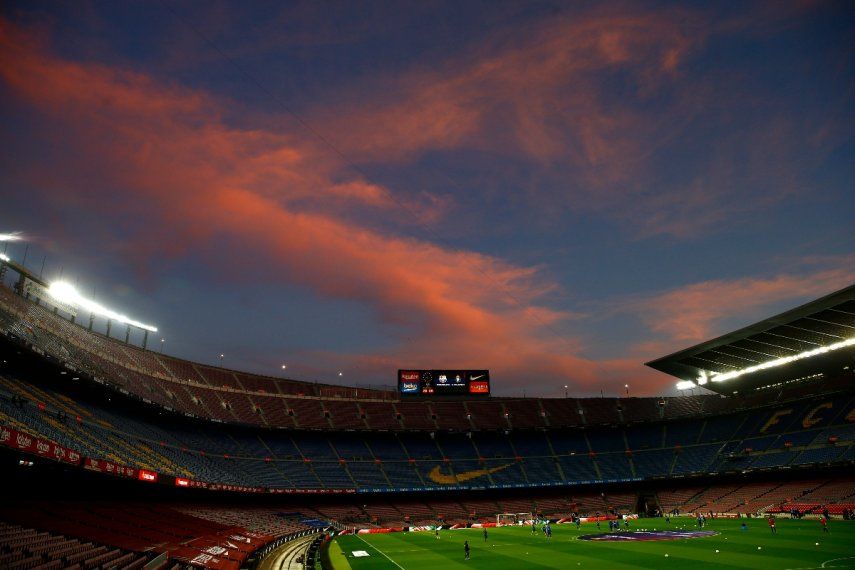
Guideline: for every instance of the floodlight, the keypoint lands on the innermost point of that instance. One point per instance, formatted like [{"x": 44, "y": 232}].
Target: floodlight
[
  {"x": 708, "y": 376},
  {"x": 14, "y": 236},
  {"x": 781, "y": 361},
  {"x": 65, "y": 292},
  {"x": 4, "y": 257}
]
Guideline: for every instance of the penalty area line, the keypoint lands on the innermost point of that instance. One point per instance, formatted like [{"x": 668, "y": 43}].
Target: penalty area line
[{"x": 380, "y": 551}]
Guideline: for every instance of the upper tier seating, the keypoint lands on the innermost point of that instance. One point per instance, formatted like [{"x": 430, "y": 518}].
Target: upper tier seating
[
  {"x": 233, "y": 455},
  {"x": 232, "y": 396}
]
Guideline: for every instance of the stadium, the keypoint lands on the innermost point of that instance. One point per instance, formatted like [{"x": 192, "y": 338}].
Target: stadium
[
  {"x": 118, "y": 456},
  {"x": 495, "y": 284}
]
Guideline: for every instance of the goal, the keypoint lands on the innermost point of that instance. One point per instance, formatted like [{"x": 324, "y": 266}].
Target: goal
[{"x": 505, "y": 519}]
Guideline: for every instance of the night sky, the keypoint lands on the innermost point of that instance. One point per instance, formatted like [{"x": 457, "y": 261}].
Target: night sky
[{"x": 556, "y": 191}]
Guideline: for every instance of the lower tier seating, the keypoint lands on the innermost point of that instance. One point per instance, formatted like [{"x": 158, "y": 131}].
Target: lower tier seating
[{"x": 23, "y": 548}]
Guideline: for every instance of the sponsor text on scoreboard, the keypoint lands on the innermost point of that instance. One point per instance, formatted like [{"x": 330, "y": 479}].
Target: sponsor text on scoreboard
[{"x": 444, "y": 382}]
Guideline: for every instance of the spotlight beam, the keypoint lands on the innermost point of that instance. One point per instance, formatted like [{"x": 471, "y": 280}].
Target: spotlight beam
[
  {"x": 67, "y": 293},
  {"x": 13, "y": 236}
]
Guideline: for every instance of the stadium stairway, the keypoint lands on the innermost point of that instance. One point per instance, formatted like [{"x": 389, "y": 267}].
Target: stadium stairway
[{"x": 290, "y": 556}]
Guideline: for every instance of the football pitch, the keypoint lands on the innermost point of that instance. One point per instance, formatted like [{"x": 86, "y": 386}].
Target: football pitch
[{"x": 799, "y": 544}]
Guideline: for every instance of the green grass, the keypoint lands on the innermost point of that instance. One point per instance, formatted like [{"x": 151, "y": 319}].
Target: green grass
[
  {"x": 335, "y": 557},
  {"x": 513, "y": 547}
]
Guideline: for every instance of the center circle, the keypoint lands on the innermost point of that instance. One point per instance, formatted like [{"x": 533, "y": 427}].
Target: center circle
[{"x": 641, "y": 535}]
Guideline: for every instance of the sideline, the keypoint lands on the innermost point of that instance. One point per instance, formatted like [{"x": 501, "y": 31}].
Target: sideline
[
  {"x": 378, "y": 550},
  {"x": 338, "y": 560}
]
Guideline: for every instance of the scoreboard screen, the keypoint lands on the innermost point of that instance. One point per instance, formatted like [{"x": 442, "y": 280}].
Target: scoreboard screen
[{"x": 444, "y": 382}]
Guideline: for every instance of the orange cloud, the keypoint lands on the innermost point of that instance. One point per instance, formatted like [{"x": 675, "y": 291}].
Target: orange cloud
[{"x": 693, "y": 313}]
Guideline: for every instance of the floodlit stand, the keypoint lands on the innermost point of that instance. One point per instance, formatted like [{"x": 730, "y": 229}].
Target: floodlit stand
[{"x": 64, "y": 297}]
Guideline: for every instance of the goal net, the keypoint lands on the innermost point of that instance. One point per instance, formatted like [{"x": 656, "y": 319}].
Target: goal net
[{"x": 505, "y": 519}]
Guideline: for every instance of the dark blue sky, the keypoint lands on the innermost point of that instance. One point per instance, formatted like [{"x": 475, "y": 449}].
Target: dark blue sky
[{"x": 557, "y": 192}]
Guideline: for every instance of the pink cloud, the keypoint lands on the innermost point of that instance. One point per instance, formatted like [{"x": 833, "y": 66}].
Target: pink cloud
[
  {"x": 544, "y": 90},
  {"x": 693, "y": 313},
  {"x": 548, "y": 96}
]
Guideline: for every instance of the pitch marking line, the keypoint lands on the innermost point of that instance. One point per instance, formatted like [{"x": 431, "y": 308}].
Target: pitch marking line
[
  {"x": 826, "y": 562},
  {"x": 380, "y": 551},
  {"x": 818, "y": 567},
  {"x": 836, "y": 560}
]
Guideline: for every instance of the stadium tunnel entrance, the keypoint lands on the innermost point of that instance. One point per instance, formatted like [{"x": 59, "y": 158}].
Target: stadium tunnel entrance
[{"x": 647, "y": 504}]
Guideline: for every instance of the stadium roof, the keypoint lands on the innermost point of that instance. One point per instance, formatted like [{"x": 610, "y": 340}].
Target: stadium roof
[{"x": 743, "y": 355}]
